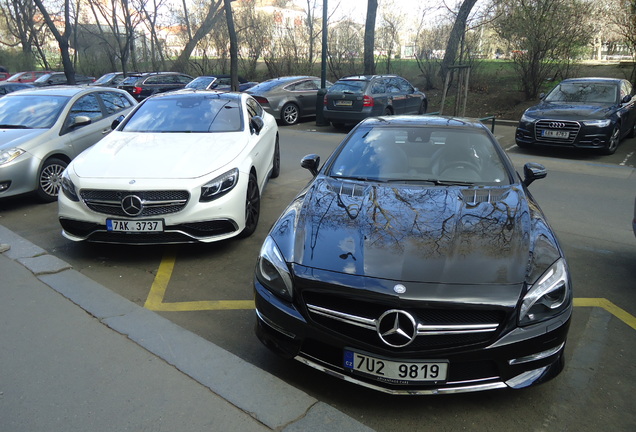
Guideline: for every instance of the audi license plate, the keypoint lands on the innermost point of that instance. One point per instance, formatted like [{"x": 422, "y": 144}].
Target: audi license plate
[
  {"x": 556, "y": 134},
  {"x": 118, "y": 225},
  {"x": 395, "y": 372}
]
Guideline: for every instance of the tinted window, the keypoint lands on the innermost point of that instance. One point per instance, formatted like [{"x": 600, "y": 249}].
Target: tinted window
[
  {"x": 114, "y": 102},
  {"x": 33, "y": 112},
  {"x": 417, "y": 154},
  {"x": 200, "y": 83},
  {"x": 378, "y": 87},
  {"x": 253, "y": 107},
  {"x": 182, "y": 79},
  {"x": 405, "y": 86},
  {"x": 303, "y": 86},
  {"x": 392, "y": 86},
  {"x": 88, "y": 106},
  {"x": 348, "y": 86},
  {"x": 186, "y": 113},
  {"x": 130, "y": 80},
  {"x": 590, "y": 92}
]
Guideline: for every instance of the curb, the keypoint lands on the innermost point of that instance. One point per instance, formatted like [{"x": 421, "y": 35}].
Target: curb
[{"x": 263, "y": 396}]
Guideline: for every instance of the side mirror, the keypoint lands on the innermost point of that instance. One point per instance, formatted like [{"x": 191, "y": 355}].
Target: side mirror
[
  {"x": 81, "y": 121},
  {"x": 116, "y": 122},
  {"x": 256, "y": 124},
  {"x": 626, "y": 99},
  {"x": 541, "y": 96},
  {"x": 311, "y": 162},
  {"x": 533, "y": 171}
]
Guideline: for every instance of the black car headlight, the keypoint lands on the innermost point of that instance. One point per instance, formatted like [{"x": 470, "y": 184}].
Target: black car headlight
[
  {"x": 526, "y": 118},
  {"x": 68, "y": 188},
  {"x": 549, "y": 296},
  {"x": 219, "y": 186},
  {"x": 272, "y": 270}
]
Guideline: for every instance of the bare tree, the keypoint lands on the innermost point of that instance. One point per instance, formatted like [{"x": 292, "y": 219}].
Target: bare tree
[
  {"x": 18, "y": 16},
  {"x": 214, "y": 13},
  {"x": 252, "y": 31},
  {"x": 62, "y": 38},
  {"x": 456, "y": 35},
  {"x": 345, "y": 46},
  {"x": 544, "y": 37}
]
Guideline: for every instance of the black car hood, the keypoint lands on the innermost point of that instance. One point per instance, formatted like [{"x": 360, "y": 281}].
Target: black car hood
[
  {"x": 569, "y": 111},
  {"x": 447, "y": 235}
]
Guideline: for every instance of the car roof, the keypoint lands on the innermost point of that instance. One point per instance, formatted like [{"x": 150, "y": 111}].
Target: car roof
[
  {"x": 367, "y": 77},
  {"x": 592, "y": 79},
  {"x": 424, "y": 120},
  {"x": 190, "y": 92},
  {"x": 64, "y": 90}
]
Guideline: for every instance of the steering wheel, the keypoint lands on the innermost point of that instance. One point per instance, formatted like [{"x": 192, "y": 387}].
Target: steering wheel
[{"x": 466, "y": 170}]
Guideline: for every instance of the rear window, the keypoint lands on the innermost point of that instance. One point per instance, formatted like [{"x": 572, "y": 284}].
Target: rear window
[
  {"x": 348, "y": 86},
  {"x": 130, "y": 80}
]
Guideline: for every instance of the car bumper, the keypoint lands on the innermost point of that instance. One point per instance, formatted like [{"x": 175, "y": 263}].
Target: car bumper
[
  {"x": 348, "y": 116},
  {"x": 580, "y": 136},
  {"x": 19, "y": 176},
  {"x": 517, "y": 359},
  {"x": 195, "y": 222}
]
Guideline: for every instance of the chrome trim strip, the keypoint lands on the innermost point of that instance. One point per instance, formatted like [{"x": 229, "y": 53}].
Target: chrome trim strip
[
  {"x": 439, "y": 390},
  {"x": 367, "y": 323},
  {"x": 538, "y": 356},
  {"x": 422, "y": 329},
  {"x": 274, "y": 326}
]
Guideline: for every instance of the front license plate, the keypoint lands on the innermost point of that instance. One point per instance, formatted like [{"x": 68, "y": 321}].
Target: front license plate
[
  {"x": 556, "y": 134},
  {"x": 344, "y": 103},
  {"x": 395, "y": 371},
  {"x": 117, "y": 225}
]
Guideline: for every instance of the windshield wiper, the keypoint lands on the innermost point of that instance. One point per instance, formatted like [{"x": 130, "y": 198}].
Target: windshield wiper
[
  {"x": 12, "y": 126},
  {"x": 360, "y": 178}
]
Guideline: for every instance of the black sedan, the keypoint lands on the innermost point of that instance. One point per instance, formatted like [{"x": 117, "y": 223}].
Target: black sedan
[
  {"x": 591, "y": 113},
  {"x": 416, "y": 262}
]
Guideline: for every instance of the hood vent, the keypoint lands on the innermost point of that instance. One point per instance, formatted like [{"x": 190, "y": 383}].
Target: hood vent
[
  {"x": 477, "y": 196},
  {"x": 348, "y": 189}
]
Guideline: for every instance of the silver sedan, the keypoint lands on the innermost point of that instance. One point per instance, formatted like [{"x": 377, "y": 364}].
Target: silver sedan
[{"x": 42, "y": 130}]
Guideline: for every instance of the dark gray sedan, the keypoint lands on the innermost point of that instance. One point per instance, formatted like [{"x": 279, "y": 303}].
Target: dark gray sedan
[{"x": 288, "y": 98}]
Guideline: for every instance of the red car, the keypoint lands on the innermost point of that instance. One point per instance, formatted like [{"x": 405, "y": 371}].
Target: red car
[{"x": 26, "y": 77}]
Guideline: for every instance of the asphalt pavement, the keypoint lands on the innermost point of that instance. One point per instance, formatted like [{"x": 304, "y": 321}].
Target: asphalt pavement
[{"x": 75, "y": 356}]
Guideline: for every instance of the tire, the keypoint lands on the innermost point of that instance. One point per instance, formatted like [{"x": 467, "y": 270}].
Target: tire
[
  {"x": 50, "y": 179},
  {"x": 290, "y": 114},
  {"x": 523, "y": 145},
  {"x": 276, "y": 162},
  {"x": 632, "y": 131},
  {"x": 423, "y": 107},
  {"x": 612, "y": 144},
  {"x": 338, "y": 125},
  {"x": 252, "y": 207}
]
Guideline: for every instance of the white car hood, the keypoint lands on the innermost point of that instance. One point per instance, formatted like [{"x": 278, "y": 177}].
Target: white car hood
[{"x": 158, "y": 155}]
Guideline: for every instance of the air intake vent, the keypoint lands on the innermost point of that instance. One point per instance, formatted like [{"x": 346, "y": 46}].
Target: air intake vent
[{"x": 476, "y": 196}]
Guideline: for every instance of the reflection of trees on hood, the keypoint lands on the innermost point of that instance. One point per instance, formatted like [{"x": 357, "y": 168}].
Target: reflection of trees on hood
[{"x": 429, "y": 222}]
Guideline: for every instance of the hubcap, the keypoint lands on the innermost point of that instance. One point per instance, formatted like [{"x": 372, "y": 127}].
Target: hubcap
[{"x": 51, "y": 179}]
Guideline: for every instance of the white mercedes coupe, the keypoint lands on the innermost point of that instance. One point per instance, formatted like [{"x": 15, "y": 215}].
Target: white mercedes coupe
[{"x": 183, "y": 167}]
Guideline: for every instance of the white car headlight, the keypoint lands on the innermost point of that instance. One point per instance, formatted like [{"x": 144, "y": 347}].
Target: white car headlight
[
  {"x": 548, "y": 296},
  {"x": 219, "y": 186},
  {"x": 68, "y": 187},
  {"x": 8, "y": 155},
  {"x": 272, "y": 270},
  {"x": 597, "y": 123}
]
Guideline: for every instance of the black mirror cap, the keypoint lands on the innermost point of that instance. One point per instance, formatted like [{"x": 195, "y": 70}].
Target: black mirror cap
[
  {"x": 256, "y": 124},
  {"x": 533, "y": 171},
  {"x": 116, "y": 122},
  {"x": 311, "y": 162},
  {"x": 626, "y": 99}
]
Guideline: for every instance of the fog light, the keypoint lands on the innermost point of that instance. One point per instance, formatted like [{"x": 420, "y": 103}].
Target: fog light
[{"x": 4, "y": 185}]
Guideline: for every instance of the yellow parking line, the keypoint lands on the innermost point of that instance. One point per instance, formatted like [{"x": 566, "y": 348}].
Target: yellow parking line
[
  {"x": 160, "y": 284},
  {"x": 619, "y": 313}
]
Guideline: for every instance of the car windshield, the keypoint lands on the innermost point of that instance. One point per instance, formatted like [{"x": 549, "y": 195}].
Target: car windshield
[
  {"x": 268, "y": 85},
  {"x": 130, "y": 80},
  {"x": 191, "y": 113},
  {"x": 200, "y": 83},
  {"x": 43, "y": 79},
  {"x": 105, "y": 78},
  {"x": 418, "y": 154},
  {"x": 348, "y": 86},
  {"x": 587, "y": 92},
  {"x": 31, "y": 111}
]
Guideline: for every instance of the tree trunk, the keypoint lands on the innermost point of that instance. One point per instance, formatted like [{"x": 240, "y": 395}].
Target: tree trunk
[
  {"x": 369, "y": 37},
  {"x": 233, "y": 45},
  {"x": 457, "y": 32},
  {"x": 213, "y": 15},
  {"x": 62, "y": 39}
]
